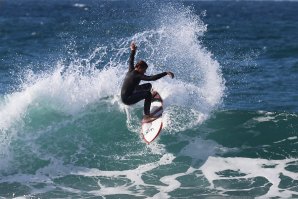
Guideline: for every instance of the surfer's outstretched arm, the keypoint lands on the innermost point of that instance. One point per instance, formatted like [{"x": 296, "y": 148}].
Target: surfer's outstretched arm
[
  {"x": 133, "y": 49},
  {"x": 156, "y": 77},
  {"x": 153, "y": 77}
]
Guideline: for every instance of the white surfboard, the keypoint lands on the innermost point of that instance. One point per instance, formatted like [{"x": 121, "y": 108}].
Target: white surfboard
[{"x": 150, "y": 130}]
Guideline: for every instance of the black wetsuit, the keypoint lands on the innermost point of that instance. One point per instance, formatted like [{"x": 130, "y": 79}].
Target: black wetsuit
[{"x": 132, "y": 92}]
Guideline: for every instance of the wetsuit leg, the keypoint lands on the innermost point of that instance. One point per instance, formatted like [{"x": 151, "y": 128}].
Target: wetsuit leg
[
  {"x": 143, "y": 87},
  {"x": 138, "y": 96},
  {"x": 147, "y": 103}
]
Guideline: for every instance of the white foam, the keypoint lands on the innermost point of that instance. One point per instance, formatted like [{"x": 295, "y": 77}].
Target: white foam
[
  {"x": 134, "y": 184},
  {"x": 264, "y": 118},
  {"x": 289, "y": 138},
  {"x": 134, "y": 175},
  {"x": 79, "y": 5},
  {"x": 251, "y": 168}
]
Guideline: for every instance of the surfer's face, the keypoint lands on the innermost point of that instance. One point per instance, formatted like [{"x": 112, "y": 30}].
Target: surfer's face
[{"x": 143, "y": 70}]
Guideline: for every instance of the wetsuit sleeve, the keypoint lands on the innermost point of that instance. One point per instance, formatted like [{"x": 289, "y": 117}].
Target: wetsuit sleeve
[
  {"x": 153, "y": 77},
  {"x": 131, "y": 60}
]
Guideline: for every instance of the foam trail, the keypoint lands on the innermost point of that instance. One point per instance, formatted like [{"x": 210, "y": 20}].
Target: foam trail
[
  {"x": 56, "y": 169},
  {"x": 134, "y": 175},
  {"x": 250, "y": 169}
]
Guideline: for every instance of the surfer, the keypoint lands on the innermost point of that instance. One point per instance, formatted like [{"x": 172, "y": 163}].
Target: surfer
[{"x": 131, "y": 91}]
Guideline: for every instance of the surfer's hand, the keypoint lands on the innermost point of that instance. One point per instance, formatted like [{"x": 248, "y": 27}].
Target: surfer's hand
[
  {"x": 170, "y": 74},
  {"x": 133, "y": 46}
]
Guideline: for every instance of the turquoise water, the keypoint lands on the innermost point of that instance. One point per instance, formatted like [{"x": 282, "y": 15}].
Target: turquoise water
[{"x": 230, "y": 118}]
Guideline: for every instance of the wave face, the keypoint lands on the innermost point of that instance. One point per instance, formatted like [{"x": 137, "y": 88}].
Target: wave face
[{"x": 65, "y": 133}]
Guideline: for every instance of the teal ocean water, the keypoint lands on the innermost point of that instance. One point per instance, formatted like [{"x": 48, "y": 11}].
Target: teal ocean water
[{"x": 230, "y": 118}]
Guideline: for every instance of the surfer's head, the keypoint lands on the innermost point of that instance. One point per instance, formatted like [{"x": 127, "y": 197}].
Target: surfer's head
[{"x": 141, "y": 66}]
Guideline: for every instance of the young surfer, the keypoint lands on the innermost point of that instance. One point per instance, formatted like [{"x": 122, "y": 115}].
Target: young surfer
[{"x": 131, "y": 91}]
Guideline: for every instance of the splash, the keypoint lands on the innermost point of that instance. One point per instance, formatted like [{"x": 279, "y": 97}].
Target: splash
[
  {"x": 67, "y": 89},
  {"x": 176, "y": 46}
]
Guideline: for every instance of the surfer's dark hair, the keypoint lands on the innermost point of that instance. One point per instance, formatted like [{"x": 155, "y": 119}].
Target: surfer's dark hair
[{"x": 141, "y": 64}]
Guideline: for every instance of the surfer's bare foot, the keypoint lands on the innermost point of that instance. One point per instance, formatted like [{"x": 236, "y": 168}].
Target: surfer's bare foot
[{"x": 149, "y": 118}]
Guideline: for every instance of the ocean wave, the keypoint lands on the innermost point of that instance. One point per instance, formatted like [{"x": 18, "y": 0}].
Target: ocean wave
[{"x": 65, "y": 121}]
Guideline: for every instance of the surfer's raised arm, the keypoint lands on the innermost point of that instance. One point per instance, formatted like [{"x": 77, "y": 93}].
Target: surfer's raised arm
[{"x": 133, "y": 49}]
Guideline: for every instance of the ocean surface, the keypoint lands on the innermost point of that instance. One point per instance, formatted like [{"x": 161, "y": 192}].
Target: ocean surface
[{"x": 231, "y": 112}]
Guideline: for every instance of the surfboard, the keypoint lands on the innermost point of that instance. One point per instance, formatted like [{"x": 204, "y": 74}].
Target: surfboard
[{"x": 150, "y": 130}]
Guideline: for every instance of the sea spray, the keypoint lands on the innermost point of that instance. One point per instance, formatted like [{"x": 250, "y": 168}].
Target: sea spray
[{"x": 175, "y": 45}]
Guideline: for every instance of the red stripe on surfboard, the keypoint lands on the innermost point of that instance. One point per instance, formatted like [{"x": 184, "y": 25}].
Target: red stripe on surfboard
[{"x": 153, "y": 96}]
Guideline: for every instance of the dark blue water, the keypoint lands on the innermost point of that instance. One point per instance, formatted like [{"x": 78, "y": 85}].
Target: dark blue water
[{"x": 230, "y": 119}]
